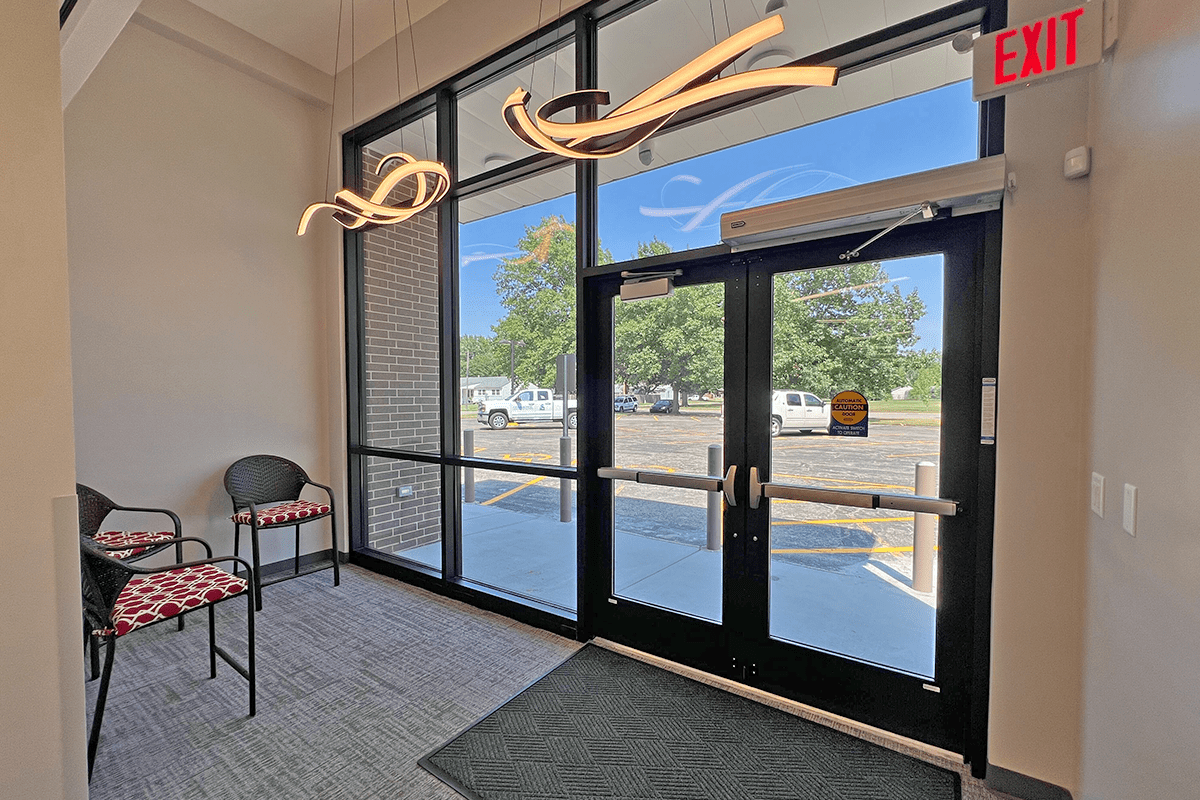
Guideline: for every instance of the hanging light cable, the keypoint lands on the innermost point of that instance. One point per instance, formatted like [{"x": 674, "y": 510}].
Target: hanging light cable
[{"x": 355, "y": 212}]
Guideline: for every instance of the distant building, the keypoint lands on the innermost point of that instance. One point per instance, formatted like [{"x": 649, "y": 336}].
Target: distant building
[
  {"x": 476, "y": 389},
  {"x": 903, "y": 393}
]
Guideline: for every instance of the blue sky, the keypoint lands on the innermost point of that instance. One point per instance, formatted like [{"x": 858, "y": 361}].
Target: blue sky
[{"x": 681, "y": 203}]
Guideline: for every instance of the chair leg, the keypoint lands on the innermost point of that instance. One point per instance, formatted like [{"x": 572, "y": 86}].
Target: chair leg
[
  {"x": 296, "y": 562},
  {"x": 179, "y": 560},
  {"x": 337, "y": 572},
  {"x": 91, "y": 649},
  {"x": 250, "y": 661},
  {"x": 101, "y": 697},
  {"x": 94, "y": 649},
  {"x": 237, "y": 536},
  {"x": 212, "y": 642},
  {"x": 257, "y": 567}
]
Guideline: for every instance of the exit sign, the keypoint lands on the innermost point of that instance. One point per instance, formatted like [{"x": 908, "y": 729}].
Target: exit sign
[{"x": 1044, "y": 48}]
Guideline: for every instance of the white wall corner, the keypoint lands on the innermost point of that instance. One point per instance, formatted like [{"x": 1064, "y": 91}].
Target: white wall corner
[{"x": 90, "y": 30}]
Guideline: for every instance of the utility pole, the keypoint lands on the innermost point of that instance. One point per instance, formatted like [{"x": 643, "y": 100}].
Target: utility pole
[
  {"x": 467, "y": 382},
  {"x": 512, "y": 361}
]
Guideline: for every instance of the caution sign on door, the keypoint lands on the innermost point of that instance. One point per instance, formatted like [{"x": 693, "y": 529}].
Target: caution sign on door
[{"x": 848, "y": 414}]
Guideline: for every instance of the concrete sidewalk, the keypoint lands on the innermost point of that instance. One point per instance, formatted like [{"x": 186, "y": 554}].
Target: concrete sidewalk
[{"x": 866, "y": 611}]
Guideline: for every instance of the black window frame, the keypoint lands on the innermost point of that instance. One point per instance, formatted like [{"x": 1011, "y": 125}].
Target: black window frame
[{"x": 582, "y": 27}]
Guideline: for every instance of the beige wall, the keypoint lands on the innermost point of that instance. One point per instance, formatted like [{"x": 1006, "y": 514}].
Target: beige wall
[
  {"x": 1043, "y": 402},
  {"x": 1141, "y": 685},
  {"x": 42, "y": 751},
  {"x": 203, "y": 328}
]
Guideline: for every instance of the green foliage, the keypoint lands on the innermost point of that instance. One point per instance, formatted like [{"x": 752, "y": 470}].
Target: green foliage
[
  {"x": 924, "y": 369},
  {"x": 483, "y": 356},
  {"x": 677, "y": 342},
  {"x": 829, "y": 337},
  {"x": 538, "y": 291},
  {"x": 836, "y": 328}
]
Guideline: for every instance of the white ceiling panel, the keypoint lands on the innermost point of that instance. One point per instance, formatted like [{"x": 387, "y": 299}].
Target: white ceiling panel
[{"x": 849, "y": 19}]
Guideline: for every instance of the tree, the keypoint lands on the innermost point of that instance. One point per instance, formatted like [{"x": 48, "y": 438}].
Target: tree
[
  {"x": 843, "y": 328},
  {"x": 924, "y": 374},
  {"x": 483, "y": 356},
  {"x": 537, "y": 289},
  {"x": 678, "y": 342}
]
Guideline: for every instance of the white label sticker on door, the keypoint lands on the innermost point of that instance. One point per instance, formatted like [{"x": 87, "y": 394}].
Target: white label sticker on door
[{"x": 987, "y": 417}]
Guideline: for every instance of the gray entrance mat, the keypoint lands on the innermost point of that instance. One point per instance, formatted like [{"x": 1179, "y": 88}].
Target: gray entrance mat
[{"x": 602, "y": 725}]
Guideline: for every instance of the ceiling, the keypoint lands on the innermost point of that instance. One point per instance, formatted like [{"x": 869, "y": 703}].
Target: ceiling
[
  {"x": 308, "y": 29},
  {"x": 640, "y": 49}
]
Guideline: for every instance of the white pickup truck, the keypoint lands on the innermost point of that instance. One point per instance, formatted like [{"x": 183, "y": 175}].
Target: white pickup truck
[
  {"x": 527, "y": 405},
  {"x": 800, "y": 411}
]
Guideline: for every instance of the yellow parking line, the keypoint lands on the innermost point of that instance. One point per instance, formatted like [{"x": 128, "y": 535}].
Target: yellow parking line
[
  {"x": 852, "y": 550},
  {"x": 499, "y": 497},
  {"x": 837, "y": 521}
]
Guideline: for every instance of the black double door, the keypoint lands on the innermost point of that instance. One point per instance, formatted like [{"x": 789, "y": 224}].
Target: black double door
[{"x": 846, "y": 572}]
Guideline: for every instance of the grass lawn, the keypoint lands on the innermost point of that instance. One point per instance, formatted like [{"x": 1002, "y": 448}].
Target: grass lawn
[{"x": 931, "y": 406}]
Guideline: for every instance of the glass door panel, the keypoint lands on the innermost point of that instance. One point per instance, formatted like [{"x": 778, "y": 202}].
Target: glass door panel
[
  {"x": 842, "y": 578},
  {"x": 668, "y": 379}
]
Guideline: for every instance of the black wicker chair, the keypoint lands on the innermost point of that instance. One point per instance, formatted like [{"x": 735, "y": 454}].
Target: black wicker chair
[
  {"x": 94, "y": 508},
  {"x": 119, "y": 598},
  {"x": 266, "y": 495}
]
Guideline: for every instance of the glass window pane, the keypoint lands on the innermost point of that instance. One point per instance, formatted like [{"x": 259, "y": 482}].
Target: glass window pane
[
  {"x": 669, "y": 372},
  {"x": 911, "y": 114},
  {"x": 400, "y": 314},
  {"x": 484, "y": 140},
  {"x": 514, "y": 537},
  {"x": 844, "y": 579},
  {"x": 404, "y": 509},
  {"x": 517, "y": 315}
]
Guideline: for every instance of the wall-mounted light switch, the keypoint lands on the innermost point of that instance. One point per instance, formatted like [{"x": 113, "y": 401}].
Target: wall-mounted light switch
[
  {"x": 1098, "y": 494},
  {"x": 1129, "y": 518}
]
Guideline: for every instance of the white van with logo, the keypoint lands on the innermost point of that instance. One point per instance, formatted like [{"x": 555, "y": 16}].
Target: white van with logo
[{"x": 798, "y": 411}]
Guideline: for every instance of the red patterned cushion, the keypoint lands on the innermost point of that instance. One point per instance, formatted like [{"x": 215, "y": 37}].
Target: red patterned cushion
[
  {"x": 113, "y": 538},
  {"x": 149, "y": 598},
  {"x": 288, "y": 512}
]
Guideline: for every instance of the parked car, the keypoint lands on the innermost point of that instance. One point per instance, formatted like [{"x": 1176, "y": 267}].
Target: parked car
[
  {"x": 661, "y": 407},
  {"x": 801, "y": 411},
  {"x": 625, "y": 402}
]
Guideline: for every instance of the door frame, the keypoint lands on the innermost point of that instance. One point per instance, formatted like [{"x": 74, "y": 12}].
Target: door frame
[{"x": 954, "y": 718}]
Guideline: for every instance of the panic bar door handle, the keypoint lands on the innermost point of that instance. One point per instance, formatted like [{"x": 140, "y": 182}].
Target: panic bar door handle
[
  {"x": 844, "y": 497},
  {"x": 704, "y": 483}
]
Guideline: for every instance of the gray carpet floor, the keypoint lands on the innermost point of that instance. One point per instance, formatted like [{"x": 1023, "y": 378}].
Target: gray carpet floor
[{"x": 355, "y": 684}]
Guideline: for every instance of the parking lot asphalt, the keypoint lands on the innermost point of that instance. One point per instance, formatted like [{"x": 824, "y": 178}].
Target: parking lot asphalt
[{"x": 832, "y": 538}]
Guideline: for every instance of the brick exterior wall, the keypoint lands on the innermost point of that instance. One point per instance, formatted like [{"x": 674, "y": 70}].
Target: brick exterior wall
[{"x": 400, "y": 277}]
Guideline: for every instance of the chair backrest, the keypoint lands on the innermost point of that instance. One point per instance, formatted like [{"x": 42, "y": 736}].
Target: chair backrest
[
  {"x": 93, "y": 508},
  {"x": 103, "y": 580},
  {"x": 264, "y": 479}
]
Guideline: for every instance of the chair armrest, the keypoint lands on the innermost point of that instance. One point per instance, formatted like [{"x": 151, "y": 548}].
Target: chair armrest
[
  {"x": 174, "y": 517},
  {"x": 157, "y": 543},
  {"x": 201, "y": 562}
]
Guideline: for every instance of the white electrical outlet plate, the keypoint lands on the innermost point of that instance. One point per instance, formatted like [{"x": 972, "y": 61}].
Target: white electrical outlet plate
[
  {"x": 1098, "y": 494},
  {"x": 1129, "y": 518}
]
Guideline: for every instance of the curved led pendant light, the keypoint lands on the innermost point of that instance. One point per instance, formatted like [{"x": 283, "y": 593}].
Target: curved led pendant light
[
  {"x": 355, "y": 212},
  {"x": 638, "y": 119}
]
